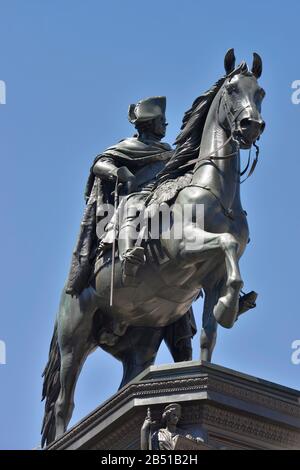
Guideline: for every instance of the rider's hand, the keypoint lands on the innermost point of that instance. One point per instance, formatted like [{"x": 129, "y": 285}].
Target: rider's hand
[
  {"x": 124, "y": 175},
  {"x": 131, "y": 186}
]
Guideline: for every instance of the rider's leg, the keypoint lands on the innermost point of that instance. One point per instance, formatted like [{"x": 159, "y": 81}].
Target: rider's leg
[{"x": 132, "y": 257}]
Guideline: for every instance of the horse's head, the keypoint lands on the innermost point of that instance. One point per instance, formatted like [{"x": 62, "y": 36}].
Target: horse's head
[{"x": 240, "y": 102}]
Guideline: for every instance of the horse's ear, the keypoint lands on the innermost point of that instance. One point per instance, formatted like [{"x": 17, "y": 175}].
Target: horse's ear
[
  {"x": 257, "y": 65},
  {"x": 229, "y": 61}
]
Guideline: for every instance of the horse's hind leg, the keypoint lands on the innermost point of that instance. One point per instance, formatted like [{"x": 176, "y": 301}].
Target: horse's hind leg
[
  {"x": 72, "y": 360},
  {"x": 178, "y": 337},
  {"x": 139, "y": 350},
  {"x": 75, "y": 343},
  {"x": 208, "y": 336}
]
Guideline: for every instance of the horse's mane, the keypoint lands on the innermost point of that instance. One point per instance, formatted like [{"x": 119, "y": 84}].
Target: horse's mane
[{"x": 189, "y": 139}]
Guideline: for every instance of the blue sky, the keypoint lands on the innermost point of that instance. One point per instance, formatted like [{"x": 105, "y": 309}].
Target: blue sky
[{"x": 71, "y": 69}]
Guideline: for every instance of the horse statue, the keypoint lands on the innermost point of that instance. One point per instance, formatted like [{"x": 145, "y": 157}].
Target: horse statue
[{"x": 204, "y": 170}]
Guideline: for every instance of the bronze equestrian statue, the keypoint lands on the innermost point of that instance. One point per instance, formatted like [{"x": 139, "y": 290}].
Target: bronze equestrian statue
[{"x": 155, "y": 282}]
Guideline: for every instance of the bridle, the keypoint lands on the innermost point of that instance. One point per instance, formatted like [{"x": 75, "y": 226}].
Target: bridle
[
  {"x": 232, "y": 122},
  {"x": 232, "y": 118}
]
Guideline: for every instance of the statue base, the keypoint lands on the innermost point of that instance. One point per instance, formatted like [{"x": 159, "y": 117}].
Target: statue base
[{"x": 229, "y": 409}]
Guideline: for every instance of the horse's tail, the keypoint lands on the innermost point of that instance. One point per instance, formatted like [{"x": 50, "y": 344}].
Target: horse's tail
[{"x": 51, "y": 389}]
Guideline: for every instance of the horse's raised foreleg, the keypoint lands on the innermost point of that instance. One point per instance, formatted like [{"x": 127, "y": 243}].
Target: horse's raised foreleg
[
  {"x": 209, "y": 249},
  {"x": 227, "y": 308}
]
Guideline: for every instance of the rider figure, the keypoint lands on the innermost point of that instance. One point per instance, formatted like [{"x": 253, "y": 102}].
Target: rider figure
[
  {"x": 148, "y": 117},
  {"x": 141, "y": 154}
]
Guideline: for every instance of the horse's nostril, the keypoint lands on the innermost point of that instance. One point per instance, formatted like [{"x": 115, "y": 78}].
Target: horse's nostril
[
  {"x": 246, "y": 122},
  {"x": 254, "y": 124}
]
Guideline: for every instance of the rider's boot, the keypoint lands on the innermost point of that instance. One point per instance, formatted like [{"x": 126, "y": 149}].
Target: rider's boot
[{"x": 132, "y": 256}]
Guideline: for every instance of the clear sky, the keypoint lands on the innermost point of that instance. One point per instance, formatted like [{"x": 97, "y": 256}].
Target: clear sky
[{"x": 71, "y": 69}]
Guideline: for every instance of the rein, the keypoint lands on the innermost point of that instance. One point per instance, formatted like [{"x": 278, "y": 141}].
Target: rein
[
  {"x": 210, "y": 156},
  {"x": 253, "y": 166}
]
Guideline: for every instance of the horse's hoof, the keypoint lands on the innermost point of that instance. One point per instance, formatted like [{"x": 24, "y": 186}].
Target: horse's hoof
[
  {"x": 225, "y": 314},
  {"x": 205, "y": 355},
  {"x": 247, "y": 302}
]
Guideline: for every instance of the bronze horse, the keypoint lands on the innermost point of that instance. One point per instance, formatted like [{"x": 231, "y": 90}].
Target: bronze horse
[{"x": 223, "y": 120}]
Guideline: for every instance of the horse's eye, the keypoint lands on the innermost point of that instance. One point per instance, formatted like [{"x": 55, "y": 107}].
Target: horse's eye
[
  {"x": 261, "y": 93},
  {"x": 232, "y": 89}
]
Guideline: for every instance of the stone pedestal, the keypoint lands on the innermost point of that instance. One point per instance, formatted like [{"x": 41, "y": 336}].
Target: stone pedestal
[{"x": 230, "y": 410}]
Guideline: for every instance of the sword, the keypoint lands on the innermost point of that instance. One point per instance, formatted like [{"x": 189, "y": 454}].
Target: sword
[{"x": 112, "y": 277}]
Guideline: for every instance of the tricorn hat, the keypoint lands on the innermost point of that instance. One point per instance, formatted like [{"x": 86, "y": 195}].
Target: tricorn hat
[{"x": 147, "y": 109}]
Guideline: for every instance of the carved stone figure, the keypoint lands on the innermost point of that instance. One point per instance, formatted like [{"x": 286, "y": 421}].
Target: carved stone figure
[{"x": 166, "y": 437}]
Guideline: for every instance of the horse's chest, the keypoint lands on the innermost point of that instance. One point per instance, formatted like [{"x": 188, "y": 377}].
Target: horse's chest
[{"x": 239, "y": 229}]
